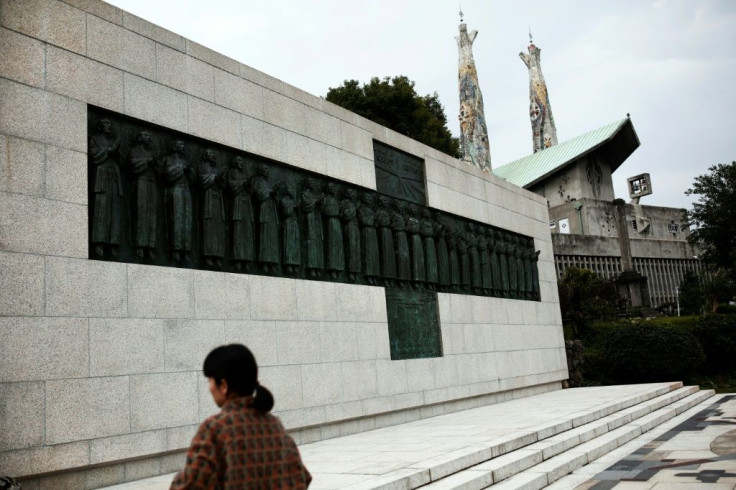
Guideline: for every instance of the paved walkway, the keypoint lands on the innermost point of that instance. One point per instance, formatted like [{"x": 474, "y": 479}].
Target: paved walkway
[{"x": 694, "y": 448}]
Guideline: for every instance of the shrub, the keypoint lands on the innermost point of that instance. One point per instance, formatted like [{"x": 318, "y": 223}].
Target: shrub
[
  {"x": 641, "y": 352},
  {"x": 717, "y": 335}
]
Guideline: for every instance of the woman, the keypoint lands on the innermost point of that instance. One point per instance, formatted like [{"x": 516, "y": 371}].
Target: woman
[{"x": 243, "y": 446}]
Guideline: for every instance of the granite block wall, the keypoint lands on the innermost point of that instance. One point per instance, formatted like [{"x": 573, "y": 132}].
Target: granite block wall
[{"x": 101, "y": 375}]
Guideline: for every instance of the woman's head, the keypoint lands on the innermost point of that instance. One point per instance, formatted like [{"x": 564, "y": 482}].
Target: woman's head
[{"x": 233, "y": 370}]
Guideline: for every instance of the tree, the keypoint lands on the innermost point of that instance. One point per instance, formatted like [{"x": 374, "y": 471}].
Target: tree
[
  {"x": 711, "y": 219},
  {"x": 584, "y": 298},
  {"x": 393, "y": 102},
  {"x": 692, "y": 296}
]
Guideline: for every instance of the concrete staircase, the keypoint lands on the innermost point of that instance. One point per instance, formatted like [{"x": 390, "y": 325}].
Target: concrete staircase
[{"x": 536, "y": 459}]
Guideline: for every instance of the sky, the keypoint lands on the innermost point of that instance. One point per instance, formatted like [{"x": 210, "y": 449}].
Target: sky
[{"x": 670, "y": 64}]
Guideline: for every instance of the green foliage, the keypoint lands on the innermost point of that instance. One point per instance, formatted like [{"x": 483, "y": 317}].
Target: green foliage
[
  {"x": 719, "y": 287},
  {"x": 584, "y": 298},
  {"x": 394, "y": 103},
  {"x": 640, "y": 353},
  {"x": 717, "y": 335},
  {"x": 711, "y": 218},
  {"x": 692, "y": 297}
]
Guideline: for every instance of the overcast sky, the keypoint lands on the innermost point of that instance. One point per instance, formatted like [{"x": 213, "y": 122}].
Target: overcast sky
[{"x": 671, "y": 64}]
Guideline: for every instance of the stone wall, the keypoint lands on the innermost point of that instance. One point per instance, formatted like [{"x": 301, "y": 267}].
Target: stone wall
[{"x": 101, "y": 379}]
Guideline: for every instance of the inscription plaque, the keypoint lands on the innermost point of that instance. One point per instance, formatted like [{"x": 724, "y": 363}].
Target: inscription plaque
[
  {"x": 413, "y": 324},
  {"x": 399, "y": 174}
]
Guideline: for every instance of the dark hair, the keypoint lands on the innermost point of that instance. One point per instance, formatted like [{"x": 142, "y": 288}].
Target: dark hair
[{"x": 235, "y": 364}]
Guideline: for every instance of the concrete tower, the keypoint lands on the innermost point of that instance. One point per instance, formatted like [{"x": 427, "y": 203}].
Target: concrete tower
[
  {"x": 544, "y": 133},
  {"x": 473, "y": 133}
]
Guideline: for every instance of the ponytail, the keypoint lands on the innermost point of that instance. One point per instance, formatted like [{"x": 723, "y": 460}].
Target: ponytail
[{"x": 264, "y": 399}]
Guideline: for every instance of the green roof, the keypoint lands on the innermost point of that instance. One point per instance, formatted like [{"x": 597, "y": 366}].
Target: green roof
[{"x": 618, "y": 140}]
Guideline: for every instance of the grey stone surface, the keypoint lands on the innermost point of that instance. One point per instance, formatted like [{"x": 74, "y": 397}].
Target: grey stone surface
[
  {"x": 54, "y": 22},
  {"x": 323, "y": 127},
  {"x": 66, "y": 175},
  {"x": 298, "y": 343},
  {"x": 42, "y": 116},
  {"x": 305, "y": 153},
  {"x": 78, "y": 287},
  {"x": 182, "y": 72},
  {"x": 284, "y": 112},
  {"x": 22, "y": 421},
  {"x": 338, "y": 341},
  {"x": 213, "y": 122},
  {"x": 160, "y": 292},
  {"x": 136, "y": 470},
  {"x": 125, "y": 346},
  {"x": 273, "y": 298},
  {"x": 105, "y": 476},
  {"x": 360, "y": 303},
  {"x": 322, "y": 384},
  {"x": 154, "y": 102},
  {"x": 180, "y": 437},
  {"x": 81, "y": 78},
  {"x": 356, "y": 140},
  {"x": 420, "y": 374},
  {"x": 86, "y": 408},
  {"x": 373, "y": 342},
  {"x": 221, "y": 296},
  {"x": 42, "y": 459},
  {"x": 359, "y": 380},
  {"x": 127, "y": 446},
  {"x": 59, "y": 346},
  {"x": 21, "y": 284},
  {"x": 316, "y": 300},
  {"x": 187, "y": 342},
  {"x": 212, "y": 57},
  {"x": 392, "y": 379},
  {"x": 163, "y": 400},
  {"x": 259, "y": 336},
  {"x": 21, "y": 166},
  {"x": 121, "y": 48},
  {"x": 285, "y": 382},
  {"x": 32, "y": 225},
  {"x": 23, "y": 58},
  {"x": 152, "y": 31},
  {"x": 238, "y": 94}
]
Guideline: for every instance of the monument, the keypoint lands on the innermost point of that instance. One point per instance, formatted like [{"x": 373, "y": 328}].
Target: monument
[
  {"x": 474, "y": 144},
  {"x": 544, "y": 132},
  {"x": 160, "y": 199}
]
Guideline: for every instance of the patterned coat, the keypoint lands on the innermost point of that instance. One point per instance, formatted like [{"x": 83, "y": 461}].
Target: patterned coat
[{"x": 241, "y": 447}]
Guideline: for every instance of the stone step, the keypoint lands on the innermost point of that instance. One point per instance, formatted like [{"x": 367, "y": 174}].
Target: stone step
[{"x": 537, "y": 464}]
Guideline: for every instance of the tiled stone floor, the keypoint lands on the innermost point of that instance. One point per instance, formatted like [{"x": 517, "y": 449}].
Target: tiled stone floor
[{"x": 698, "y": 451}]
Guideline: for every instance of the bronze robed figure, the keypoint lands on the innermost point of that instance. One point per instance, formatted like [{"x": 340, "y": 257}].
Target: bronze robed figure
[
  {"x": 242, "y": 220},
  {"x": 178, "y": 172},
  {"x": 351, "y": 229},
  {"x": 142, "y": 161},
  {"x": 314, "y": 238},
  {"x": 268, "y": 220},
  {"x": 212, "y": 209},
  {"x": 335, "y": 248},
  {"x": 369, "y": 235},
  {"x": 104, "y": 154}
]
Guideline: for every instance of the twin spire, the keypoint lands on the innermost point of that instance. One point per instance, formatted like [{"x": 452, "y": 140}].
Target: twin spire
[{"x": 474, "y": 145}]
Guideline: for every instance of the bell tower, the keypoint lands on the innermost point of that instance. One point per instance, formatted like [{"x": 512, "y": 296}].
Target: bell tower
[
  {"x": 544, "y": 132},
  {"x": 474, "y": 144}
]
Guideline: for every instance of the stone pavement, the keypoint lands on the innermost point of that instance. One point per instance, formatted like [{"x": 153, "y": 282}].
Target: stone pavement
[
  {"x": 530, "y": 442},
  {"x": 694, "y": 450}
]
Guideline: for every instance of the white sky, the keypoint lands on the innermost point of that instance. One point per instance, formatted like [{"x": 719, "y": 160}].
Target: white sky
[{"x": 670, "y": 63}]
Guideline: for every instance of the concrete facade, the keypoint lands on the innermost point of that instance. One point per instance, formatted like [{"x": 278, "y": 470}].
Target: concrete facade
[{"x": 101, "y": 379}]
